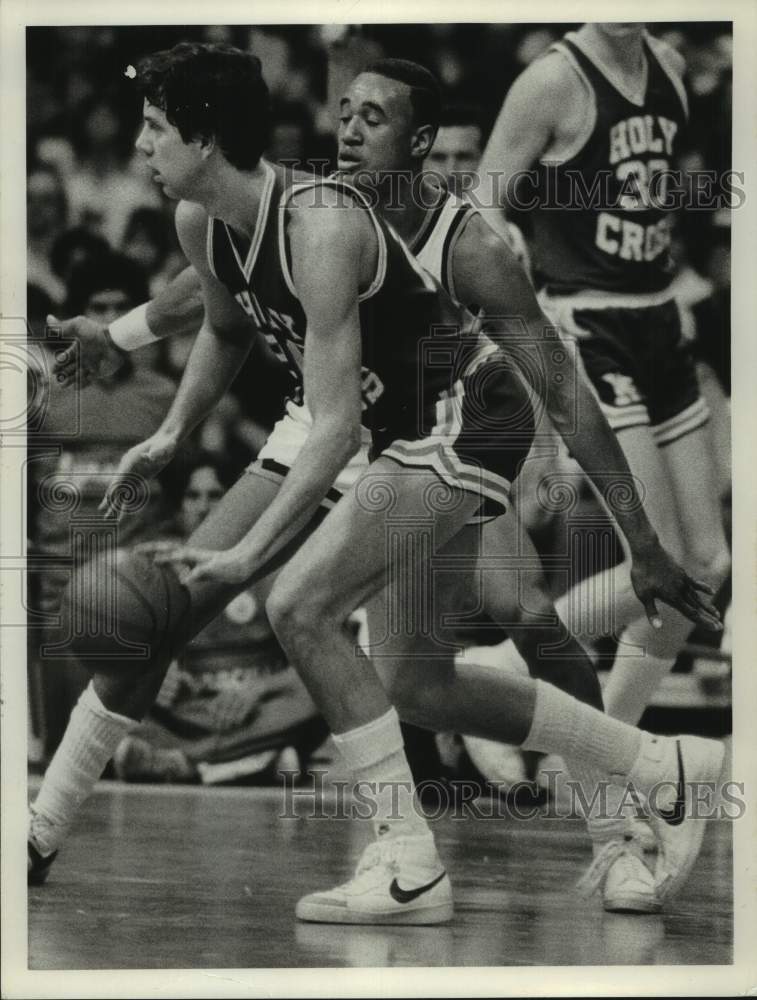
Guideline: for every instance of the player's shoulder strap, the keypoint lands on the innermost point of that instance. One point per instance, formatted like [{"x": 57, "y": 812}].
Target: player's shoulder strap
[
  {"x": 572, "y": 55},
  {"x": 672, "y": 65},
  {"x": 459, "y": 214},
  {"x": 224, "y": 251}
]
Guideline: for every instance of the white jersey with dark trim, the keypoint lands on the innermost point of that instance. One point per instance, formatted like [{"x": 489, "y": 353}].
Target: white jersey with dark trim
[{"x": 434, "y": 243}]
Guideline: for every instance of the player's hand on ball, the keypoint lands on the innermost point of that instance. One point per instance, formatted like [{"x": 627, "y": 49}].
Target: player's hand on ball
[
  {"x": 227, "y": 566},
  {"x": 90, "y": 357},
  {"x": 657, "y": 576},
  {"x": 139, "y": 465}
]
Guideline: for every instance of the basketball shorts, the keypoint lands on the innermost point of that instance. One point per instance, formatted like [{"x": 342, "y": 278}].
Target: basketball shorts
[
  {"x": 634, "y": 353},
  {"x": 287, "y": 438},
  {"x": 474, "y": 437}
]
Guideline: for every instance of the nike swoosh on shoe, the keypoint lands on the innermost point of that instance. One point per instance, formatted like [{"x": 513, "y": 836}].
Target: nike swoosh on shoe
[
  {"x": 408, "y": 895},
  {"x": 674, "y": 816}
]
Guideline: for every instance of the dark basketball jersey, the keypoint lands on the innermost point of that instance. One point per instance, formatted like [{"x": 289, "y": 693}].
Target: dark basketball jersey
[
  {"x": 415, "y": 339},
  {"x": 602, "y": 221}
]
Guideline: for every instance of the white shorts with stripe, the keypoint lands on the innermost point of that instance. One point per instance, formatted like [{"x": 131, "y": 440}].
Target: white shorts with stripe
[{"x": 285, "y": 442}]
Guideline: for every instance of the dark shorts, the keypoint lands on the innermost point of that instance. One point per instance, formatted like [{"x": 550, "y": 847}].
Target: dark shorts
[
  {"x": 638, "y": 363},
  {"x": 475, "y": 436}
]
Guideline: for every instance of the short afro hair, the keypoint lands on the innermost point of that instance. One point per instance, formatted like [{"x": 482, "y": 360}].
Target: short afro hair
[
  {"x": 425, "y": 92},
  {"x": 211, "y": 91}
]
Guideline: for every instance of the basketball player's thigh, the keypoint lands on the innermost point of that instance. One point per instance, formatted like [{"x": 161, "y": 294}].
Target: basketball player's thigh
[
  {"x": 236, "y": 512},
  {"x": 393, "y": 520},
  {"x": 226, "y": 525}
]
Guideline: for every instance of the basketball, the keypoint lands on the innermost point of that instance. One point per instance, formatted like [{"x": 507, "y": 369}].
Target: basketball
[{"x": 119, "y": 611}]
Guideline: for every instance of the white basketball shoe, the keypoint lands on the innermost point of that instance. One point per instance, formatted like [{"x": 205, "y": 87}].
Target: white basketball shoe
[{"x": 399, "y": 880}]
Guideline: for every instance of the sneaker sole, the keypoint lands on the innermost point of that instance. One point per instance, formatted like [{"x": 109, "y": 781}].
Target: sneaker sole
[
  {"x": 632, "y": 904},
  {"x": 315, "y": 913}
]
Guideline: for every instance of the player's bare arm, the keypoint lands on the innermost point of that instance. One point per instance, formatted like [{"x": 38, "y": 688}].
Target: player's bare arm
[
  {"x": 99, "y": 351},
  {"x": 501, "y": 289},
  {"x": 544, "y": 111},
  {"x": 329, "y": 266},
  {"x": 220, "y": 348}
]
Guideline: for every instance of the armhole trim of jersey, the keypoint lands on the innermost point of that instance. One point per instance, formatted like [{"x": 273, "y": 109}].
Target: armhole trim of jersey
[
  {"x": 658, "y": 51},
  {"x": 459, "y": 224},
  {"x": 209, "y": 248},
  {"x": 283, "y": 255},
  {"x": 378, "y": 280},
  {"x": 380, "y": 275},
  {"x": 586, "y": 134}
]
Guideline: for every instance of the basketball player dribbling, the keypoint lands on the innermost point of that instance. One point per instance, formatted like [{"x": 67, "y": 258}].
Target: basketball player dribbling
[
  {"x": 603, "y": 111},
  {"x": 307, "y": 267}
]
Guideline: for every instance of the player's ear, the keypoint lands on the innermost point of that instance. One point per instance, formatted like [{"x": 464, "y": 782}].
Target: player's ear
[
  {"x": 422, "y": 141},
  {"x": 207, "y": 145}
]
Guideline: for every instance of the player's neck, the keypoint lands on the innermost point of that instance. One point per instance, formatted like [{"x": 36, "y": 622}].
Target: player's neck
[
  {"x": 234, "y": 195},
  {"x": 407, "y": 212},
  {"x": 625, "y": 53}
]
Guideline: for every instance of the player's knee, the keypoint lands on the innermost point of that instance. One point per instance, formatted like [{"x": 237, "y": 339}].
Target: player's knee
[
  {"x": 709, "y": 561},
  {"x": 296, "y": 613}
]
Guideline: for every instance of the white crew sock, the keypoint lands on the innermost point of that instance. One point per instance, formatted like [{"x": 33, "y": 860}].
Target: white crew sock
[
  {"x": 90, "y": 740},
  {"x": 563, "y": 725},
  {"x": 632, "y": 682},
  {"x": 376, "y": 756}
]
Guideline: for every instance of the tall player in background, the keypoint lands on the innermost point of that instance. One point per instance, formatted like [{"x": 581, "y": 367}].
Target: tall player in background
[
  {"x": 604, "y": 111},
  {"x": 451, "y": 231}
]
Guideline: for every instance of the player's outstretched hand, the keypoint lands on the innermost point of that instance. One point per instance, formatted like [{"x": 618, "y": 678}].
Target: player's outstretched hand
[
  {"x": 127, "y": 488},
  {"x": 657, "y": 576},
  {"x": 205, "y": 564},
  {"x": 90, "y": 357}
]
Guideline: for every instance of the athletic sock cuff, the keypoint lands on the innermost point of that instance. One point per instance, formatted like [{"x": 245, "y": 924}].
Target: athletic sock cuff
[
  {"x": 375, "y": 741},
  {"x": 90, "y": 701}
]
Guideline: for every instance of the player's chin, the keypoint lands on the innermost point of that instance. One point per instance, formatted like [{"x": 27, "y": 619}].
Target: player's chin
[
  {"x": 622, "y": 29},
  {"x": 170, "y": 192}
]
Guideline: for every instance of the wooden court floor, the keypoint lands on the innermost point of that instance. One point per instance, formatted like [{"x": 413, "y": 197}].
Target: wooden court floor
[{"x": 159, "y": 878}]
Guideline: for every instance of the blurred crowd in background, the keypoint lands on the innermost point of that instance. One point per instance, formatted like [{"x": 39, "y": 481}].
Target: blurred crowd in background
[{"x": 101, "y": 240}]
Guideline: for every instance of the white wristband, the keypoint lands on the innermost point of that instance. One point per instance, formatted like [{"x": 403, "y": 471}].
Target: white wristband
[{"x": 131, "y": 330}]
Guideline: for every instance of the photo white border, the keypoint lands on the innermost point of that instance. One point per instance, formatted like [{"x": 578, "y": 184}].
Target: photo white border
[{"x": 741, "y": 978}]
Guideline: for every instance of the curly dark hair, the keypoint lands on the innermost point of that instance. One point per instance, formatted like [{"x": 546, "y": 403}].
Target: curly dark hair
[{"x": 211, "y": 91}]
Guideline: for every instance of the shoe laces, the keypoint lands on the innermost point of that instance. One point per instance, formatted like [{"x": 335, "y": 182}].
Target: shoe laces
[
  {"x": 625, "y": 853},
  {"x": 382, "y": 853},
  {"x": 40, "y": 832},
  {"x": 378, "y": 859}
]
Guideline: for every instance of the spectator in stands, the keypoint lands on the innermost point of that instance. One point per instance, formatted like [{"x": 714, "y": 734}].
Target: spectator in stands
[
  {"x": 74, "y": 249},
  {"x": 150, "y": 241},
  {"x": 230, "y": 709},
  {"x": 455, "y": 155},
  {"x": 103, "y": 191},
  {"x": 46, "y": 218},
  {"x": 86, "y": 434}
]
